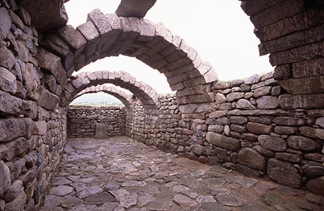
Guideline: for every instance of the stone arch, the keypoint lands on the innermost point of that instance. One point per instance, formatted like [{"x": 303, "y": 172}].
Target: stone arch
[
  {"x": 119, "y": 94},
  {"x": 146, "y": 94},
  {"x": 109, "y": 35}
]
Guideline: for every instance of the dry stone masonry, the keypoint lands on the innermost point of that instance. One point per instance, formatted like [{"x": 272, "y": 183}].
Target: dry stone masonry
[
  {"x": 85, "y": 121},
  {"x": 269, "y": 126}
]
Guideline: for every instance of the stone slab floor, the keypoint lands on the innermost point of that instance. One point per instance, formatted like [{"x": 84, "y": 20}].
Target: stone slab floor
[{"x": 123, "y": 174}]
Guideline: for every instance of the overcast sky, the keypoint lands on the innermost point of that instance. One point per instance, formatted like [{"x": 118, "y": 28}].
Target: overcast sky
[{"x": 219, "y": 30}]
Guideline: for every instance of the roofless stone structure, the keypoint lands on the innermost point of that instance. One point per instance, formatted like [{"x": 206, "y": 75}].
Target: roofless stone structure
[
  {"x": 119, "y": 94},
  {"x": 268, "y": 126},
  {"x": 145, "y": 93}
]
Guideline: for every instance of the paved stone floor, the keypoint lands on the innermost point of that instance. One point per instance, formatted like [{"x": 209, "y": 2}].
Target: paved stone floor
[{"x": 123, "y": 174}]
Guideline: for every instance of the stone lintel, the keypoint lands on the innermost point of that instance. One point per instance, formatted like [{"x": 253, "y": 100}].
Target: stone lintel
[{"x": 134, "y": 8}]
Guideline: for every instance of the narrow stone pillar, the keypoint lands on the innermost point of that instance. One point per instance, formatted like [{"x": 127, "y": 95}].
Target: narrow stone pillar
[{"x": 101, "y": 131}]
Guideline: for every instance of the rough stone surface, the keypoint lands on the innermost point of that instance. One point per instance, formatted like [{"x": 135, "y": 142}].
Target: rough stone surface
[
  {"x": 302, "y": 143},
  {"x": 284, "y": 173},
  {"x": 223, "y": 141},
  {"x": 272, "y": 143},
  {"x": 251, "y": 158},
  {"x": 12, "y": 128},
  {"x": 257, "y": 128},
  {"x": 130, "y": 9},
  {"x": 316, "y": 185},
  {"x": 267, "y": 102},
  {"x": 140, "y": 177},
  {"x": 5, "y": 180}
]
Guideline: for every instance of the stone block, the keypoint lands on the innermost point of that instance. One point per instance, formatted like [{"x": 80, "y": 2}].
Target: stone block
[
  {"x": 275, "y": 91},
  {"x": 320, "y": 122},
  {"x": 244, "y": 104},
  {"x": 267, "y": 102},
  {"x": 284, "y": 173},
  {"x": 101, "y": 131},
  {"x": 223, "y": 141},
  {"x": 29, "y": 109},
  {"x": 245, "y": 88},
  {"x": 309, "y": 85},
  {"x": 312, "y": 132},
  {"x": 238, "y": 120},
  {"x": 282, "y": 72},
  {"x": 251, "y": 158},
  {"x": 46, "y": 15},
  {"x": 310, "y": 51},
  {"x": 284, "y": 130},
  {"x": 12, "y": 128},
  {"x": 286, "y": 26},
  {"x": 7, "y": 81},
  {"x": 308, "y": 68},
  {"x": 90, "y": 32},
  {"x": 259, "y": 92},
  {"x": 9, "y": 104},
  {"x": 317, "y": 157},
  {"x": 5, "y": 23},
  {"x": 48, "y": 100},
  {"x": 7, "y": 58},
  {"x": 313, "y": 169},
  {"x": 15, "y": 189},
  {"x": 301, "y": 101},
  {"x": 18, "y": 203},
  {"x": 41, "y": 127},
  {"x": 137, "y": 9},
  {"x": 73, "y": 38},
  {"x": 16, "y": 148},
  {"x": 253, "y": 79},
  {"x": 263, "y": 151},
  {"x": 234, "y": 96},
  {"x": 254, "y": 6},
  {"x": 289, "y": 121},
  {"x": 56, "y": 45},
  {"x": 5, "y": 180},
  {"x": 247, "y": 171},
  {"x": 316, "y": 185},
  {"x": 197, "y": 149},
  {"x": 237, "y": 128},
  {"x": 53, "y": 64},
  {"x": 272, "y": 143},
  {"x": 249, "y": 137},
  {"x": 290, "y": 157},
  {"x": 302, "y": 143},
  {"x": 258, "y": 128}
]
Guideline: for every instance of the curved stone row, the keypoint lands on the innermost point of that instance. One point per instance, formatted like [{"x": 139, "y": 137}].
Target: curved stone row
[
  {"x": 119, "y": 94},
  {"x": 146, "y": 94},
  {"x": 109, "y": 35}
]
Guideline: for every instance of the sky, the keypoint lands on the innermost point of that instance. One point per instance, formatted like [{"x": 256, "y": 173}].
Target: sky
[{"x": 218, "y": 30}]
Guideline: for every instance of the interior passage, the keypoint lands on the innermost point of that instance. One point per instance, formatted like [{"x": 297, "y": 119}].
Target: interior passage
[{"x": 122, "y": 174}]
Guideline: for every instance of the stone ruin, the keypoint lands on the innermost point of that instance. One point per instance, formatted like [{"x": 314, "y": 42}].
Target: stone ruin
[{"x": 269, "y": 126}]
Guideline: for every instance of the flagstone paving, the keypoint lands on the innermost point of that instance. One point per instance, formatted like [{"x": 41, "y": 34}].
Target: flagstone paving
[{"x": 122, "y": 174}]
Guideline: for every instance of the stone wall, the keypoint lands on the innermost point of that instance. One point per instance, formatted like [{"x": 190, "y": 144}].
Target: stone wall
[
  {"x": 246, "y": 129},
  {"x": 291, "y": 32},
  {"x": 254, "y": 126},
  {"x": 32, "y": 125},
  {"x": 82, "y": 121}
]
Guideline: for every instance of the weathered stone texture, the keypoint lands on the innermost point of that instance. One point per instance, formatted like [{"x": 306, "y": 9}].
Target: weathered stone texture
[
  {"x": 251, "y": 158},
  {"x": 284, "y": 173},
  {"x": 223, "y": 141},
  {"x": 85, "y": 121},
  {"x": 302, "y": 143},
  {"x": 259, "y": 126},
  {"x": 272, "y": 143}
]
